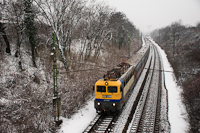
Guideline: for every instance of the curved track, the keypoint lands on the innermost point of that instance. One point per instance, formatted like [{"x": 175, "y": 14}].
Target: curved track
[{"x": 142, "y": 111}]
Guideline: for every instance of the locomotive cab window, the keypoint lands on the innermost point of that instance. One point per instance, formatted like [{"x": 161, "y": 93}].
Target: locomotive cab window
[
  {"x": 112, "y": 89},
  {"x": 101, "y": 89}
]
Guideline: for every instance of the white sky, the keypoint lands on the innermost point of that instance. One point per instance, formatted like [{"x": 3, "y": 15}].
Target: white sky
[{"x": 152, "y": 14}]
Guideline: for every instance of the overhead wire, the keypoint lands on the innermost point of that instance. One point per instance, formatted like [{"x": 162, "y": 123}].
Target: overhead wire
[
  {"x": 173, "y": 72},
  {"x": 103, "y": 67},
  {"x": 98, "y": 67}
]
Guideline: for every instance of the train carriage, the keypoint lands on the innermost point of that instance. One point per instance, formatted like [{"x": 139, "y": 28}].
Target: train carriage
[{"x": 112, "y": 91}]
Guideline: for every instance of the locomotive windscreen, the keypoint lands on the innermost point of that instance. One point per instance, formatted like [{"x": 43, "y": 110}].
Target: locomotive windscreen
[
  {"x": 112, "y": 89},
  {"x": 101, "y": 89}
]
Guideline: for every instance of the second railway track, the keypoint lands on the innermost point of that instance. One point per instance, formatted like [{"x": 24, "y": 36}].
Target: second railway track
[{"x": 146, "y": 118}]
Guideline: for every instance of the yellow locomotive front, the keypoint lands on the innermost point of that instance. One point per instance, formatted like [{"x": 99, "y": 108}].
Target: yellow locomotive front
[{"x": 108, "y": 95}]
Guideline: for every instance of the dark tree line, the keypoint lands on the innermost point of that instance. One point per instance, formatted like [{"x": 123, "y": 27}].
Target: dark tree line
[{"x": 91, "y": 24}]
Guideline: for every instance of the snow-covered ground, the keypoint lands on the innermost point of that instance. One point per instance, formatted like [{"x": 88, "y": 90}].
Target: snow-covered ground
[
  {"x": 79, "y": 121},
  {"x": 177, "y": 113}
]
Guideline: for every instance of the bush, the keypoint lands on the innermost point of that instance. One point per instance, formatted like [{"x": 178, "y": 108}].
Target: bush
[{"x": 191, "y": 94}]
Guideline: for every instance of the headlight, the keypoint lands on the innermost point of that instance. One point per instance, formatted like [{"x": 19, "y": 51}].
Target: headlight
[
  {"x": 106, "y": 83},
  {"x": 98, "y": 103},
  {"x": 114, "y": 104}
]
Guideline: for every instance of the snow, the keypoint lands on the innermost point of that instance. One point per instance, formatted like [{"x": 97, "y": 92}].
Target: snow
[
  {"x": 79, "y": 121},
  {"x": 177, "y": 111},
  {"x": 4, "y": 101}
]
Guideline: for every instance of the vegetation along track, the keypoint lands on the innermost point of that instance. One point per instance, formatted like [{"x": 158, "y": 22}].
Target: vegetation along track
[
  {"x": 146, "y": 117},
  {"x": 146, "y": 109}
]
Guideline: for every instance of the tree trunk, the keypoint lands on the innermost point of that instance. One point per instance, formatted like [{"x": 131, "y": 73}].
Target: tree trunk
[
  {"x": 33, "y": 50},
  {"x": 30, "y": 27},
  {"x": 2, "y": 30},
  {"x": 64, "y": 60},
  {"x": 18, "y": 53}
]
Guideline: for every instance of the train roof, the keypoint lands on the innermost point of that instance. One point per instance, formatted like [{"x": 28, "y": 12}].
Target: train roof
[
  {"x": 135, "y": 59},
  {"x": 124, "y": 67}
]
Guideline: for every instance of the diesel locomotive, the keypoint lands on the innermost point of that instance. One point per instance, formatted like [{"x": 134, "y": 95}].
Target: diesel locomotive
[{"x": 113, "y": 89}]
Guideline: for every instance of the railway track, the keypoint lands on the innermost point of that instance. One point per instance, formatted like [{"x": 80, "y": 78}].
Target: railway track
[
  {"x": 100, "y": 124},
  {"x": 146, "y": 118},
  {"x": 142, "y": 111}
]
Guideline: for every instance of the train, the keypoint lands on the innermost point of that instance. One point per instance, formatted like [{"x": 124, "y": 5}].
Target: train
[{"x": 113, "y": 89}]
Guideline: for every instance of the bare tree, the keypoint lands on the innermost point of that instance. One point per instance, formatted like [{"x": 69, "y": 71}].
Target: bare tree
[
  {"x": 15, "y": 10},
  {"x": 3, "y": 33},
  {"x": 94, "y": 29},
  {"x": 3, "y": 6},
  {"x": 30, "y": 28},
  {"x": 62, "y": 16},
  {"x": 74, "y": 15},
  {"x": 102, "y": 28},
  {"x": 175, "y": 29}
]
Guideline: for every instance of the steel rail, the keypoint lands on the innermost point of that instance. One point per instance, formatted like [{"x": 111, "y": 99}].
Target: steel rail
[
  {"x": 146, "y": 118},
  {"x": 100, "y": 124},
  {"x": 139, "y": 110}
]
